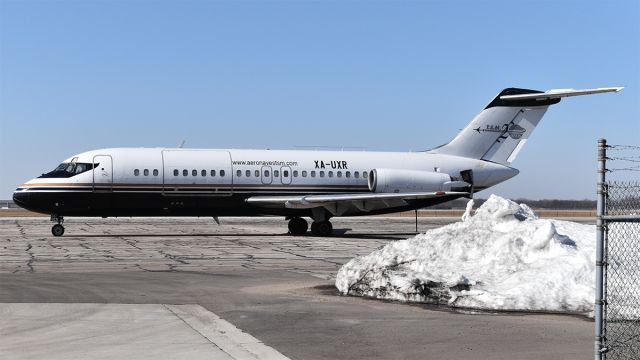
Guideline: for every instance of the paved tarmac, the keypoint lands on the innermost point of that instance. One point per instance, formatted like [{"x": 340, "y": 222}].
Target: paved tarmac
[
  {"x": 123, "y": 331},
  {"x": 274, "y": 288}
]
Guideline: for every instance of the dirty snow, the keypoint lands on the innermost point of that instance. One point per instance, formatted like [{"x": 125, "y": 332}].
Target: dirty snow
[{"x": 502, "y": 257}]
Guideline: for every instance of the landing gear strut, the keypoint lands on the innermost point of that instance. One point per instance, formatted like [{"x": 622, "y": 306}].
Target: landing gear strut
[
  {"x": 57, "y": 229},
  {"x": 322, "y": 228},
  {"x": 298, "y": 226}
]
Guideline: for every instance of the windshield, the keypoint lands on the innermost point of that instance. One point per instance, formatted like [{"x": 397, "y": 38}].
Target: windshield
[{"x": 66, "y": 170}]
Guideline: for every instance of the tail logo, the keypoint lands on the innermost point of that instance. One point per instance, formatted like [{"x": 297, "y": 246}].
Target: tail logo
[{"x": 514, "y": 131}]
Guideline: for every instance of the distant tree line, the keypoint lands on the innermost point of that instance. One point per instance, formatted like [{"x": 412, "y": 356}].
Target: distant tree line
[{"x": 554, "y": 204}]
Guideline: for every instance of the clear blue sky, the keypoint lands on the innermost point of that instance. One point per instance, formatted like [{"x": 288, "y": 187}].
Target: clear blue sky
[{"x": 81, "y": 75}]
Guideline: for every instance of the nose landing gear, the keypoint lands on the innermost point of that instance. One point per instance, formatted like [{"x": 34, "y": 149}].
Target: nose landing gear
[{"x": 57, "y": 229}]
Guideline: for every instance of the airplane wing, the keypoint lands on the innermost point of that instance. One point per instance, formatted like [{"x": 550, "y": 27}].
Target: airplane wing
[{"x": 337, "y": 204}]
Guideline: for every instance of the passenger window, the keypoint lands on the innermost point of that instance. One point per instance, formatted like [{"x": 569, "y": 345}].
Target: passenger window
[
  {"x": 136, "y": 172},
  {"x": 266, "y": 173},
  {"x": 313, "y": 173},
  {"x": 203, "y": 172},
  {"x": 321, "y": 173},
  {"x": 221, "y": 173},
  {"x": 238, "y": 173},
  {"x": 364, "y": 174},
  {"x": 146, "y": 172},
  {"x": 347, "y": 174},
  {"x": 295, "y": 173},
  {"x": 248, "y": 173},
  {"x": 356, "y": 174},
  {"x": 194, "y": 172},
  {"x": 257, "y": 173},
  {"x": 304, "y": 173},
  {"x": 176, "y": 172},
  {"x": 185, "y": 172},
  {"x": 155, "y": 172},
  {"x": 276, "y": 173},
  {"x": 339, "y": 173},
  {"x": 331, "y": 174},
  {"x": 285, "y": 173},
  {"x": 213, "y": 173}
]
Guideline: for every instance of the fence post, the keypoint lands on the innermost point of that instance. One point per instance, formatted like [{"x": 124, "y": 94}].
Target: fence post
[{"x": 600, "y": 228}]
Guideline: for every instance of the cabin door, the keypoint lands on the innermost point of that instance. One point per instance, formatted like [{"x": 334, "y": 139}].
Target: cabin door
[{"x": 102, "y": 173}]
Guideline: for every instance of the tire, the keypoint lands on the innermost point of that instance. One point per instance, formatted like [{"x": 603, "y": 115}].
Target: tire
[
  {"x": 57, "y": 230},
  {"x": 298, "y": 226},
  {"x": 323, "y": 228}
]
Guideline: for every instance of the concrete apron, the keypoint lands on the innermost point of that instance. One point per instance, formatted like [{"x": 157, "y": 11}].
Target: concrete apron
[{"x": 123, "y": 331}]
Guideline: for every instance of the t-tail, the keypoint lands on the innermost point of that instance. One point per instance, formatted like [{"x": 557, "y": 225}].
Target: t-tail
[{"x": 502, "y": 128}]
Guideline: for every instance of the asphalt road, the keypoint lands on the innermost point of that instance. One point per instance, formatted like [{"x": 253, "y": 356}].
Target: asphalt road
[{"x": 275, "y": 287}]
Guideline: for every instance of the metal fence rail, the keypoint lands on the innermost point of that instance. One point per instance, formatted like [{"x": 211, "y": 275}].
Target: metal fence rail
[{"x": 617, "y": 311}]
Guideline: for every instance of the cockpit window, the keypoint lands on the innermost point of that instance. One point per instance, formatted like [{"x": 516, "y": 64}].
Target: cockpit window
[{"x": 66, "y": 170}]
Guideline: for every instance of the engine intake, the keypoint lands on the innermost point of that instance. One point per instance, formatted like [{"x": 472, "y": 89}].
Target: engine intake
[{"x": 399, "y": 181}]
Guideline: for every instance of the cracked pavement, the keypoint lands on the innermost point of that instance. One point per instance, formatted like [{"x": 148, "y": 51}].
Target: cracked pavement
[
  {"x": 276, "y": 287},
  {"x": 183, "y": 245}
]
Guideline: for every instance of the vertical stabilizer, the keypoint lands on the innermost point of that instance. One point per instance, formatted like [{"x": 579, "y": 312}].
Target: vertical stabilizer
[{"x": 502, "y": 128}]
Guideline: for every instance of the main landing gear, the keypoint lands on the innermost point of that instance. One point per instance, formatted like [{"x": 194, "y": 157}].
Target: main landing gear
[
  {"x": 57, "y": 229},
  {"x": 299, "y": 226}
]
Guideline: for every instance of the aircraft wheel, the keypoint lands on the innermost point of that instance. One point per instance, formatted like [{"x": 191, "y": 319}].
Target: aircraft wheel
[
  {"x": 57, "y": 230},
  {"x": 298, "y": 226},
  {"x": 322, "y": 228}
]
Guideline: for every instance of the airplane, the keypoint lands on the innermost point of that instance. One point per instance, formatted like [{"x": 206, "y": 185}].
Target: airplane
[{"x": 292, "y": 183}]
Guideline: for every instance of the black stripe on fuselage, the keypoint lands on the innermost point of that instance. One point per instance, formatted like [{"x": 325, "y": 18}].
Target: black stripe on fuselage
[{"x": 114, "y": 204}]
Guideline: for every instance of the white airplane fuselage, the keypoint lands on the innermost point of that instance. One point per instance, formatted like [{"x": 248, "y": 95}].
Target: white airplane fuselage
[{"x": 203, "y": 182}]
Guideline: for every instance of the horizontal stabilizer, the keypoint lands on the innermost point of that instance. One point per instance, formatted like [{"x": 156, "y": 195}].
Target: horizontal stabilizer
[{"x": 559, "y": 93}]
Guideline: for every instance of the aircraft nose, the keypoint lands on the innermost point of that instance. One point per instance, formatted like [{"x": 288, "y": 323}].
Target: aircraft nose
[{"x": 21, "y": 198}]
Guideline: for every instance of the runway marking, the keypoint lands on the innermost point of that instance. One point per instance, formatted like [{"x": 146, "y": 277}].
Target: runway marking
[{"x": 233, "y": 341}]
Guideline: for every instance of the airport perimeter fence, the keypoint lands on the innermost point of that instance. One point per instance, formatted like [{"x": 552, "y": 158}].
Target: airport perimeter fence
[{"x": 617, "y": 306}]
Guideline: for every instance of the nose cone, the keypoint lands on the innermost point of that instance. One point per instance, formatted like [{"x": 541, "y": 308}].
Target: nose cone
[{"x": 21, "y": 198}]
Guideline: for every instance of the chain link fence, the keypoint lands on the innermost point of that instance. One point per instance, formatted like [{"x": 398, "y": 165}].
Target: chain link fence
[{"x": 617, "y": 312}]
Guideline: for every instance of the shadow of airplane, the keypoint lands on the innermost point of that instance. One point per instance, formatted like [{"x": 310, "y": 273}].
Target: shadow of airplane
[{"x": 337, "y": 233}]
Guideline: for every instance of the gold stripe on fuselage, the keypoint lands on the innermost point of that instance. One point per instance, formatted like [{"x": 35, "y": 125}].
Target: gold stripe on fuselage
[{"x": 160, "y": 186}]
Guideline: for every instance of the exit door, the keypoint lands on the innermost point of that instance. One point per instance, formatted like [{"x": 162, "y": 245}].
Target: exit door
[
  {"x": 266, "y": 175},
  {"x": 285, "y": 175}
]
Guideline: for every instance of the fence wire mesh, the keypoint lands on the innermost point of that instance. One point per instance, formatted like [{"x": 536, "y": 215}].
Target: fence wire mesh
[
  {"x": 623, "y": 198},
  {"x": 622, "y": 319},
  {"x": 620, "y": 218}
]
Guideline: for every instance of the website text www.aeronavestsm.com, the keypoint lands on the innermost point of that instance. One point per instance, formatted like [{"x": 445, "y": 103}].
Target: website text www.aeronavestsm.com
[{"x": 264, "y": 163}]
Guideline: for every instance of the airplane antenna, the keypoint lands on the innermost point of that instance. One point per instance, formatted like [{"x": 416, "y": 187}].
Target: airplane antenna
[
  {"x": 182, "y": 144},
  {"x": 416, "y": 221}
]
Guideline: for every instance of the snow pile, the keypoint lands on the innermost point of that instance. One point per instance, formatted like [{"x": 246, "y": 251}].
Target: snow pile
[{"x": 502, "y": 257}]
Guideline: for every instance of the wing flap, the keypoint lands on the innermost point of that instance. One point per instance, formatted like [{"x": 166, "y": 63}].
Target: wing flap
[{"x": 359, "y": 201}]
